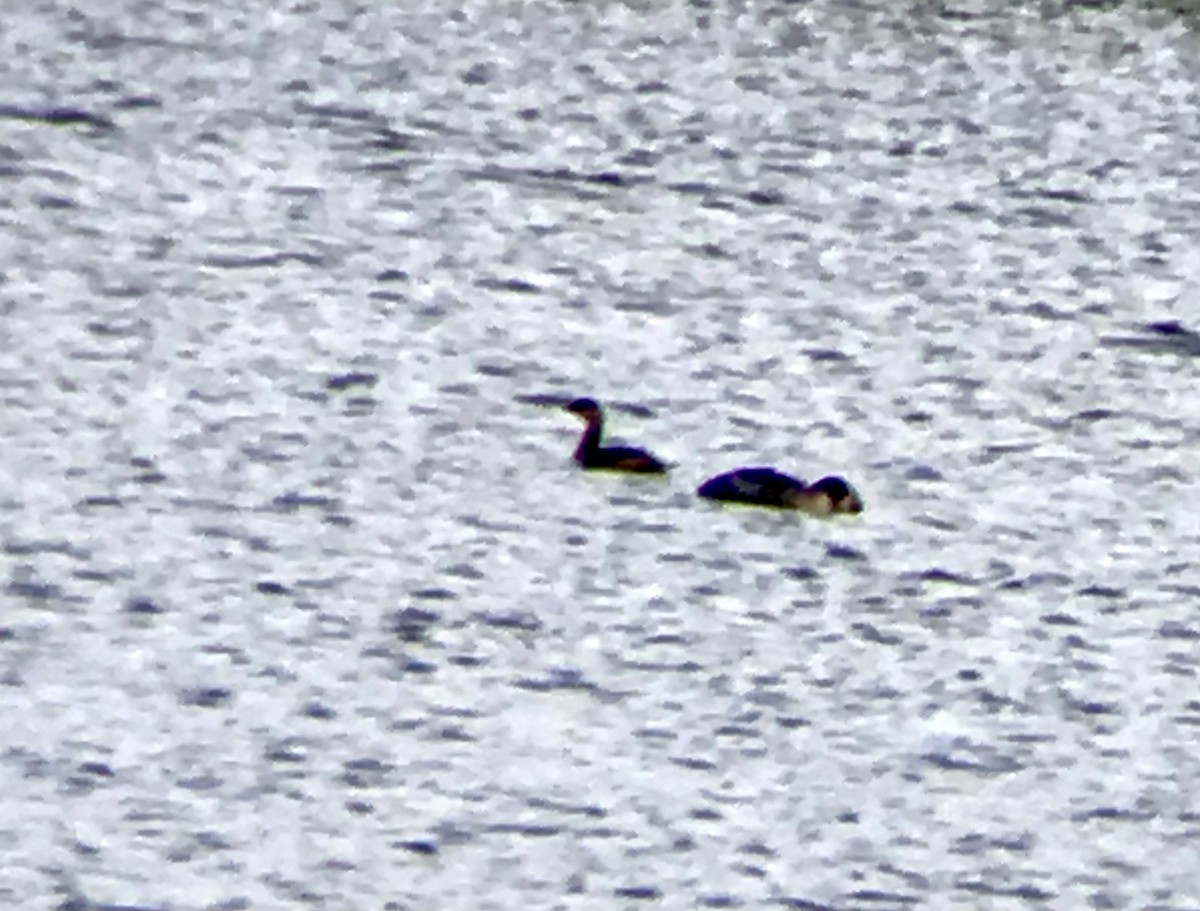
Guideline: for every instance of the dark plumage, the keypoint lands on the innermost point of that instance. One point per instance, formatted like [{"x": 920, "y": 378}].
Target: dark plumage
[
  {"x": 590, "y": 454},
  {"x": 768, "y": 487}
]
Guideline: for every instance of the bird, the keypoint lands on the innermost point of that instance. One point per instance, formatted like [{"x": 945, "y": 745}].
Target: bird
[
  {"x": 769, "y": 487},
  {"x": 590, "y": 454}
]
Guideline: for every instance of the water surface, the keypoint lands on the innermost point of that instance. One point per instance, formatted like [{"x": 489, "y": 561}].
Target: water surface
[{"x": 304, "y": 604}]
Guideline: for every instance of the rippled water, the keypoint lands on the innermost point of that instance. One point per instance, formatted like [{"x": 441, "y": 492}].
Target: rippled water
[{"x": 303, "y": 603}]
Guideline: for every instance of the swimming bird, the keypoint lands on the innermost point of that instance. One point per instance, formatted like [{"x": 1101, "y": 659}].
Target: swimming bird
[
  {"x": 768, "y": 487},
  {"x": 590, "y": 454}
]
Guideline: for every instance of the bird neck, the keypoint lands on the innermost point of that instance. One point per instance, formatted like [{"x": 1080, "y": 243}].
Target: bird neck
[
  {"x": 590, "y": 441},
  {"x": 805, "y": 499}
]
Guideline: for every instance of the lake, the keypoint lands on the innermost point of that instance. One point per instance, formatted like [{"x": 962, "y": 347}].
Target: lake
[{"x": 303, "y": 603}]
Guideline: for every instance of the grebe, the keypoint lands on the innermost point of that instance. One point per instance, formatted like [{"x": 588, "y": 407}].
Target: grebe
[
  {"x": 590, "y": 454},
  {"x": 768, "y": 487}
]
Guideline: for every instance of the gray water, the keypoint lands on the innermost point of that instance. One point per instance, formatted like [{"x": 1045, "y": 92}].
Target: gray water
[{"x": 302, "y": 603}]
